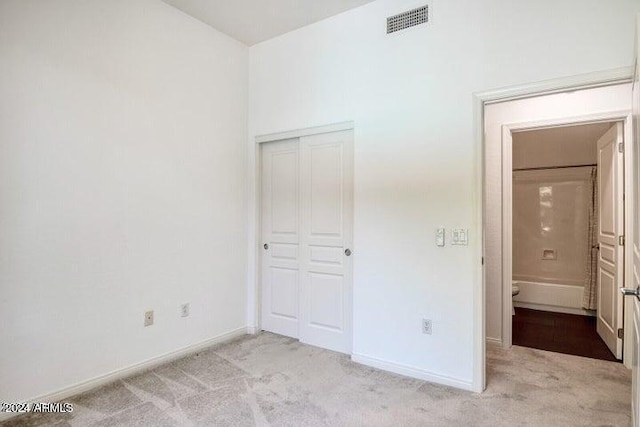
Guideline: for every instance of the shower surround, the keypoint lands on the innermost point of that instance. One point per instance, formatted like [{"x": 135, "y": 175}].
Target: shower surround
[{"x": 551, "y": 250}]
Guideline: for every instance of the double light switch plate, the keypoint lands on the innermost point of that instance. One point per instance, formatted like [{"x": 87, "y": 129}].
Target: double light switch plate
[{"x": 460, "y": 236}]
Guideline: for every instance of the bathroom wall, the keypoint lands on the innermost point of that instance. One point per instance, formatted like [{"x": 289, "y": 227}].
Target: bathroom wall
[
  {"x": 550, "y": 225},
  {"x": 550, "y": 236}
]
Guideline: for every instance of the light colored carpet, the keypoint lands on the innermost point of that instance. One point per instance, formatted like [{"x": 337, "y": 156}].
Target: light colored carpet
[{"x": 272, "y": 380}]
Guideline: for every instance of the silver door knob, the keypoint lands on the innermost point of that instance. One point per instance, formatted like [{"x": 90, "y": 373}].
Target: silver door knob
[
  {"x": 347, "y": 252},
  {"x": 266, "y": 246},
  {"x": 629, "y": 291}
]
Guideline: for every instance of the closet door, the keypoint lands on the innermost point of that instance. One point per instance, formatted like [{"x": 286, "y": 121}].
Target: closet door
[
  {"x": 326, "y": 165},
  {"x": 280, "y": 237}
]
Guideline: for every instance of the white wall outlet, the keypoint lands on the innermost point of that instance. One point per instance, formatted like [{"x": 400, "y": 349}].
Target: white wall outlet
[
  {"x": 460, "y": 236},
  {"x": 148, "y": 318},
  {"x": 184, "y": 310},
  {"x": 440, "y": 237},
  {"x": 426, "y": 326}
]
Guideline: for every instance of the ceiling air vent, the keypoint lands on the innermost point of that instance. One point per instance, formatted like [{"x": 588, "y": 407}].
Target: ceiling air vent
[{"x": 407, "y": 19}]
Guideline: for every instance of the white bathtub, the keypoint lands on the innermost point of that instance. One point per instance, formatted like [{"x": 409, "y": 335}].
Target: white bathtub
[{"x": 550, "y": 297}]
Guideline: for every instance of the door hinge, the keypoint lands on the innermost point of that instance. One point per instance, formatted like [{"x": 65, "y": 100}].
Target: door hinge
[
  {"x": 621, "y": 240},
  {"x": 620, "y": 333},
  {"x": 482, "y": 261},
  {"x": 620, "y": 147}
]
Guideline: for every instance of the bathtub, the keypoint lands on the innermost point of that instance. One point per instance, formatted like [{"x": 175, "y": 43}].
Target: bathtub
[{"x": 555, "y": 297}]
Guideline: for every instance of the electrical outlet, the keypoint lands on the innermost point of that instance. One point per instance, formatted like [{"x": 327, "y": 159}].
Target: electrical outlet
[
  {"x": 426, "y": 326},
  {"x": 184, "y": 310},
  {"x": 148, "y": 318}
]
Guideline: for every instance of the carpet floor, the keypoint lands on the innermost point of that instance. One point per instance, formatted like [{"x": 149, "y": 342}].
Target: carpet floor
[{"x": 270, "y": 380}]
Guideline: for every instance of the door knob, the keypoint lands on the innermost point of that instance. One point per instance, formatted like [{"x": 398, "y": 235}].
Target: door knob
[
  {"x": 629, "y": 291},
  {"x": 347, "y": 252},
  {"x": 266, "y": 246}
]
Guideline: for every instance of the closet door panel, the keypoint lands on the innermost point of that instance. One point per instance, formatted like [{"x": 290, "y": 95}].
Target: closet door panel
[
  {"x": 280, "y": 235},
  {"x": 325, "y": 235}
]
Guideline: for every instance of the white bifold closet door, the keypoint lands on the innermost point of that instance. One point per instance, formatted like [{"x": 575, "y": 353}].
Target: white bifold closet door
[{"x": 307, "y": 228}]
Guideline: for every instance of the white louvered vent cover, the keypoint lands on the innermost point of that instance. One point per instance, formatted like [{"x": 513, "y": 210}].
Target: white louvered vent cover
[{"x": 408, "y": 19}]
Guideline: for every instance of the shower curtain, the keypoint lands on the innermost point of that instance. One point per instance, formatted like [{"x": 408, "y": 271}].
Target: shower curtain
[{"x": 589, "y": 299}]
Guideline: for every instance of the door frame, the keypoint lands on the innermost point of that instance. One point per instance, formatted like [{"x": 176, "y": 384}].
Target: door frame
[
  {"x": 507, "y": 200},
  {"x": 479, "y": 100},
  {"x": 254, "y": 250}
]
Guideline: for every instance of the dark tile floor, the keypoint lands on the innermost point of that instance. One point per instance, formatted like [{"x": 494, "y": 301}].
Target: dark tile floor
[{"x": 559, "y": 332}]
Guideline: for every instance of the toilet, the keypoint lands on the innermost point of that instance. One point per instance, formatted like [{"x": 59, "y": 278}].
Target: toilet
[{"x": 515, "y": 290}]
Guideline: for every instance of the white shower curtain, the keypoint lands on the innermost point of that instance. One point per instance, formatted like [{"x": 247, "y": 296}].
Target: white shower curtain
[{"x": 589, "y": 299}]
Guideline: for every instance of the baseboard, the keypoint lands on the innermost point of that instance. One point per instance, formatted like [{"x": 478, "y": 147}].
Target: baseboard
[
  {"x": 252, "y": 330},
  {"x": 410, "y": 371},
  {"x": 493, "y": 342},
  {"x": 128, "y": 371}
]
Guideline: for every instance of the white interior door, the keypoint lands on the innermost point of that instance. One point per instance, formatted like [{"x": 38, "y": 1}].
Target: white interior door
[
  {"x": 635, "y": 277},
  {"x": 610, "y": 231},
  {"x": 280, "y": 236},
  {"x": 307, "y": 229},
  {"x": 326, "y": 236}
]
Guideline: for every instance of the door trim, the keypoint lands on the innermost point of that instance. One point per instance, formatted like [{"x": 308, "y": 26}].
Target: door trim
[
  {"x": 479, "y": 100},
  {"x": 610, "y": 77},
  {"x": 297, "y": 133},
  {"x": 255, "y": 304}
]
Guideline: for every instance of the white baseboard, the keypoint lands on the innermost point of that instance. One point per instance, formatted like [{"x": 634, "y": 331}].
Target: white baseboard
[
  {"x": 411, "y": 371},
  {"x": 494, "y": 342},
  {"x": 128, "y": 371},
  {"x": 252, "y": 330}
]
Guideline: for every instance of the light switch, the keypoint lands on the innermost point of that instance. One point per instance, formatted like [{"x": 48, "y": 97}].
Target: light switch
[
  {"x": 440, "y": 237},
  {"x": 460, "y": 237}
]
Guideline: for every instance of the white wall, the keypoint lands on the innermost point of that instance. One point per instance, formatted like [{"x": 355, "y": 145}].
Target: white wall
[
  {"x": 563, "y": 105},
  {"x": 122, "y": 187},
  {"x": 410, "y": 95}
]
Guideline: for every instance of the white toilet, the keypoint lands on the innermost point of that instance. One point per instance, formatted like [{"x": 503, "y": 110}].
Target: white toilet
[{"x": 515, "y": 290}]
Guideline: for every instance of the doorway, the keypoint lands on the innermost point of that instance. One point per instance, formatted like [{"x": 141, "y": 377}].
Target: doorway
[
  {"x": 306, "y": 226},
  {"x": 501, "y": 119},
  {"x": 566, "y": 261}
]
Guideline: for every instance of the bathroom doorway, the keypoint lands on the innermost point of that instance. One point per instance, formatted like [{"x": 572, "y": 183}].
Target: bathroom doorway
[
  {"x": 553, "y": 113},
  {"x": 566, "y": 260}
]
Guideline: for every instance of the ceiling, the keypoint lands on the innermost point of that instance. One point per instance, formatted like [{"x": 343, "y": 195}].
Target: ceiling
[
  {"x": 558, "y": 146},
  {"x": 254, "y": 21},
  {"x": 588, "y": 133}
]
